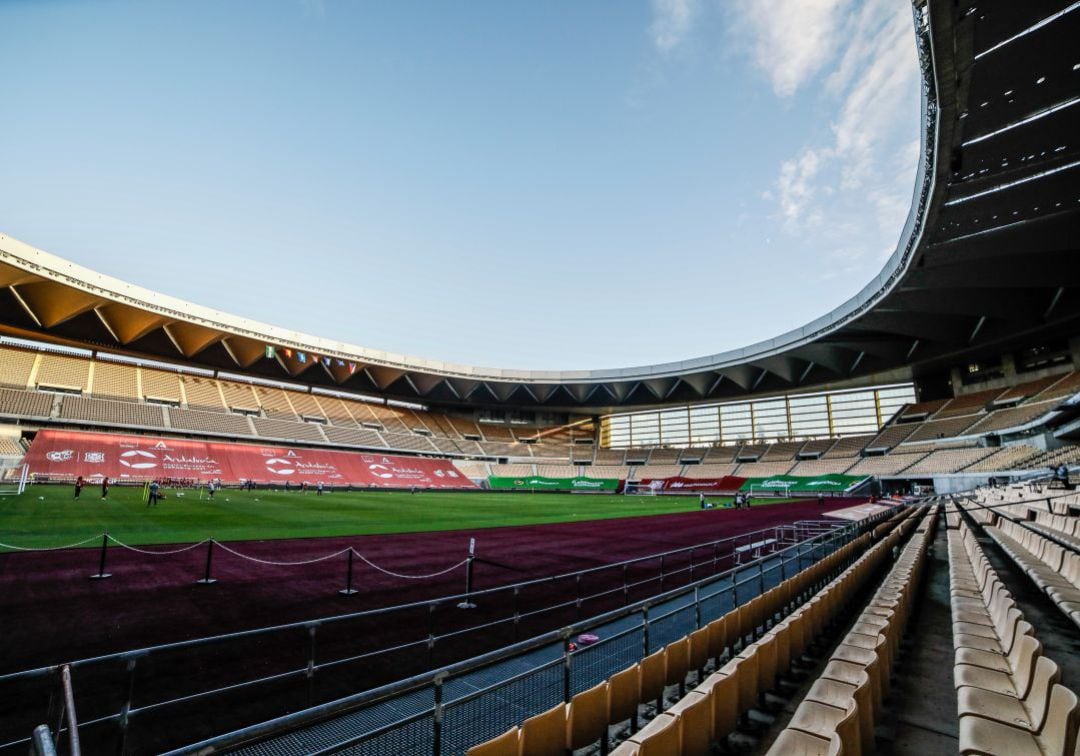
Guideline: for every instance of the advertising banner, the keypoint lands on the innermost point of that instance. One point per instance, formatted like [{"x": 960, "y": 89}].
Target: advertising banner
[
  {"x": 832, "y": 483},
  {"x": 67, "y": 454},
  {"x": 727, "y": 484},
  {"x": 539, "y": 483}
]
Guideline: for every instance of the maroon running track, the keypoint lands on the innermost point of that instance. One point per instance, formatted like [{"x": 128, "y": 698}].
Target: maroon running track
[{"x": 54, "y": 613}]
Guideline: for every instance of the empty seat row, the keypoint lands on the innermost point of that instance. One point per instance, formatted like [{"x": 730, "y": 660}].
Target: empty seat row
[
  {"x": 712, "y": 709},
  {"x": 1052, "y": 567},
  {"x": 838, "y": 713},
  {"x": 1008, "y": 696}
]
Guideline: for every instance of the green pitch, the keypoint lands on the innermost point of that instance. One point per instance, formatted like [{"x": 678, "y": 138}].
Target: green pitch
[{"x": 46, "y": 516}]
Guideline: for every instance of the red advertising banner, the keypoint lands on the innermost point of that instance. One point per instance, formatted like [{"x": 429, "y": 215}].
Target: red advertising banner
[
  {"x": 96, "y": 455},
  {"x": 729, "y": 484}
]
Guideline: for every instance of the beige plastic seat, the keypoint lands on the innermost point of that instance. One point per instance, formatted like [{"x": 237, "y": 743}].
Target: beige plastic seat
[
  {"x": 824, "y": 721},
  {"x": 1057, "y": 736},
  {"x": 745, "y": 671},
  {"x": 699, "y": 650},
  {"x": 587, "y": 717},
  {"x": 1027, "y": 713},
  {"x": 624, "y": 695},
  {"x": 545, "y": 733},
  {"x": 696, "y": 712},
  {"x": 677, "y": 665},
  {"x": 718, "y": 635},
  {"x": 724, "y": 693},
  {"x": 796, "y": 743},
  {"x": 839, "y": 695},
  {"x": 660, "y": 737},
  {"x": 653, "y": 678},
  {"x": 504, "y": 745},
  {"x": 1011, "y": 683}
]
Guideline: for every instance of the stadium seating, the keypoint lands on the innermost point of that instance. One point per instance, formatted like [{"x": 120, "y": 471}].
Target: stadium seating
[
  {"x": 353, "y": 436},
  {"x": 947, "y": 428},
  {"x": 25, "y": 404},
  {"x": 112, "y": 412},
  {"x": 239, "y": 396},
  {"x": 1005, "y": 458},
  {"x": 708, "y": 470},
  {"x": 763, "y": 469},
  {"x": 847, "y": 447},
  {"x": 1068, "y": 385},
  {"x": 64, "y": 372},
  {"x": 161, "y": 385},
  {"x": 16, "y": 366},
  {"x": 512, "y": 470},
  {"x": 202, "y": 393},
  {"x": 649, "y": 471},
  {"x": 209, "y": 422},
  {"x": 287, "y": 431},
  {"x": 823, "y": 466},
  {"x": 947, "y": 461},
  {"x": 749, "y": 649},
  {"x": 1012, "y": 417},
  {"x": 1008, "y": 696},
  {"x": 886, "y": 464},
  {"x": 112, "y": 380},
  {"x": 967, "y": 404},
  {"x": 275, "y": 403}
]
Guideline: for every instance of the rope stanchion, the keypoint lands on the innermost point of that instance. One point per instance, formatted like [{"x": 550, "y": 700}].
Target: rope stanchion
[
  {"x": 467, "y": 602},
  {"x": 101, "y": 573},
  {"x": 206, "y": 579},
  {"x": 348, "y": 590}
]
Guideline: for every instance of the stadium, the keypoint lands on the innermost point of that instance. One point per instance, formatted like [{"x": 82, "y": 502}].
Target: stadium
[{"x": 860, "y": 536}]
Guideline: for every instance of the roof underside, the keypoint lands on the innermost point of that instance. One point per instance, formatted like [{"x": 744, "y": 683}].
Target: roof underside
[{"x": 986, "y": 263}]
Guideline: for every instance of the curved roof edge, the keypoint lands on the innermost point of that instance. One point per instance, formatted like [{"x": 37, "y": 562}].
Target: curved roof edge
[{"x": 21, "y": 255}]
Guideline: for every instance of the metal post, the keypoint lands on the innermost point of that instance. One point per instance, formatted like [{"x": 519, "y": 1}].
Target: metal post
[
  {"x": 311, "y": 663},
  {"x": 661, "y": 573},
  {"x": 625, "y": 587},
  {"x": 127, "y": 704},
  {"x": 467, "y": 602},
  {"x": 101, "y": 573},
  {"x": 566, "y": 668},
  {"x": 348, "y": 590},
  {"x": 69, "y": 709},
  {"x": 206, "y": 579},
  {"x": 437, "y": 718}
]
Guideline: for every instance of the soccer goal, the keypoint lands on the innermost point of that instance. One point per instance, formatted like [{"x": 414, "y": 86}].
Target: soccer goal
[
  {"x": 13, "y": 480},
  {"x": 778, "y": 490},
  {"x": 640, "y": 489}
]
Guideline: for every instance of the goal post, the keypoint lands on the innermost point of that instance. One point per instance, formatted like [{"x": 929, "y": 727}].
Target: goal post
[{"x": 13, "y": 480}]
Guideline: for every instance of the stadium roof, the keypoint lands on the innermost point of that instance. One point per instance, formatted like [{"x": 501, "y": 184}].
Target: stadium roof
[{"x": 986, "y": 261}]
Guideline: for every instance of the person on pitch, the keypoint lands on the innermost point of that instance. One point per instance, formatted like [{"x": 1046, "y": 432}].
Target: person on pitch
[{"x": 78, "y": 487}]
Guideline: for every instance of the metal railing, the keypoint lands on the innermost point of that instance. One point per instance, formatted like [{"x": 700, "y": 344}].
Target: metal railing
[
  {"x": 472, "y": 701},
  {"x": 248, "y": 674}
]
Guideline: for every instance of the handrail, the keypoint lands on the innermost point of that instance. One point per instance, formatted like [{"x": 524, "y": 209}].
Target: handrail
[
  {"x": 365, "y": 613},
  {"x": 130, "y": 711},
  {"x": 352, "y": 702}
]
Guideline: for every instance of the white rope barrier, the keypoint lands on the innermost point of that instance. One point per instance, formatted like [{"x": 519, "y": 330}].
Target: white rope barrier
[
  {"x": 374, "y": 566},
  {"x": 50, "y": 548},
  {"x": 272, "y": 563},
  {"x": 166, "y": 552},
  {"x": 247, "y": 557}
]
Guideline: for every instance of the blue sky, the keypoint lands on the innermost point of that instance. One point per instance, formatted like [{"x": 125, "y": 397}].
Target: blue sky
[{"x": 521, "y": 184}]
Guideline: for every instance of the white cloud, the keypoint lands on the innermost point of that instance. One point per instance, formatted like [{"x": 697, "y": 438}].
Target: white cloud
[
  {"x": 793, "y": 39},
  {"x": 846, "y": 196},
  {"x": 671, "y": 22}
]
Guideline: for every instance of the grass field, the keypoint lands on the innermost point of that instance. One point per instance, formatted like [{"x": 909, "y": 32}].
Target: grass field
[{"x": 46, "y": 516}]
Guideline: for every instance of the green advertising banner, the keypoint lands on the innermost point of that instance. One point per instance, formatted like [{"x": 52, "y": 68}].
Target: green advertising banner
[
  {"x": 538, "y": 483},
  {"x": 832, "y": 483}
]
